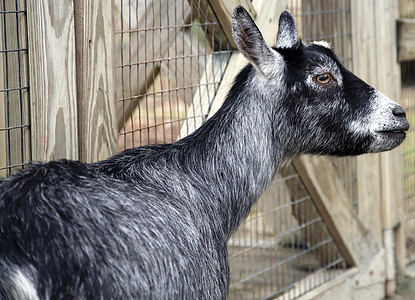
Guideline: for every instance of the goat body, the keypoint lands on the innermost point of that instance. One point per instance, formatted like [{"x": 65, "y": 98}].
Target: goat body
[{"x": 153, "y": 222}]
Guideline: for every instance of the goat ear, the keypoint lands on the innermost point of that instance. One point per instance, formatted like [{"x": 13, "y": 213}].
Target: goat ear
[
  {"x": 249, "y": 40},
  {"x": 287, "y": 31}
]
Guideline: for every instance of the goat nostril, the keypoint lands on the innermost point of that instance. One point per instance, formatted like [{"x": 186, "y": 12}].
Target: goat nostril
[{"x": 398, "y": 112}]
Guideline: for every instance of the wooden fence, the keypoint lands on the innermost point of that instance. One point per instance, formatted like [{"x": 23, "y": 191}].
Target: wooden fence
[{"x": 77, "y": 112}]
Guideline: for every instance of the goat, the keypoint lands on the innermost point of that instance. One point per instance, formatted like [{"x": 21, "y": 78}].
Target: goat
[{"x": 153, "y": 222}]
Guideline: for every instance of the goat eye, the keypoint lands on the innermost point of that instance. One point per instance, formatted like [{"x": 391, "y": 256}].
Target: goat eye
[{"x": 323, "y": 78}]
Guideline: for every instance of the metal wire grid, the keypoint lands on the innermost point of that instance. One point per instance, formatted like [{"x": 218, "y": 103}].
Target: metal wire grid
[
  {"x": 407, "y": 10},
  {"x": 329, "y": 20},
  {"x": 408, "y": 102},
  {"x": 172, "y": 58},
  {"x": 14, "y": 95},
  {"x": 283, "y": 249}
]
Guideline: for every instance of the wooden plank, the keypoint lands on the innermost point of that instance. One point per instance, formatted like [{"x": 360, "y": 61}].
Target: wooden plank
[
  {"x": 369, "y": 193},
  {"x": 406, "y": 39},
  {"x": 371, "y": 274},
  {"x": 365, "y": 66},
  {"x": 362, "y": 283},
  {"x": 341, "y": 285},
  {"x": 306, "y": 211},
  {"x": 389, "y": 82},
  {"x": 363, "y": 35},
  {"x": 95, "y": 79},
  {"x": 353, "y": 240},
  {"x": 52, "y": 74}
]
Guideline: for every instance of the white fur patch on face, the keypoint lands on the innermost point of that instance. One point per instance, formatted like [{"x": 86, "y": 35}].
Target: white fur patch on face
[
  {"x": 379, "y": 119},
  {"x": 380, "y": 115},
  {"x": 22, "y": 287},
  {"x": 323, "y": 44}
]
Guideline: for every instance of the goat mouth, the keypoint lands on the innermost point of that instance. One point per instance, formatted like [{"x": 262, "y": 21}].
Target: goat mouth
[{"x": 393, "y": 134}]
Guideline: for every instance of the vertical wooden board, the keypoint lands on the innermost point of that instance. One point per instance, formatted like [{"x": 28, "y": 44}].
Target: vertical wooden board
[
  {"x": 363, "y": 35},
  {"x": 365, "y": 66},
  {"x": 369, "y": 193},
  {"x": 388, "y": 81},
  {"x": 52, "y": 72},
  {"x": 406, "y": 39},
  {"x": 94, "y": 41}
]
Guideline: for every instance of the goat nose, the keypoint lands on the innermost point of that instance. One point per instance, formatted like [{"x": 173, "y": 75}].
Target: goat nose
[{"x": 399, "y": 112}]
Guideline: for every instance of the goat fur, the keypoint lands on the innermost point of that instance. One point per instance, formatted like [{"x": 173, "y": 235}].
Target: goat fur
[{"x": 153, "y": 222}]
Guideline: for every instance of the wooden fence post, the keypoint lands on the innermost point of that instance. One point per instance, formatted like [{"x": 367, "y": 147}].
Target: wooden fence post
[
  {"x": 380, "y": 176},
  {"x": 52, "y": 73},
  {"x": 94, "y": 40},
  {"x": 389, "y": 81},
  {"x": 365, "y": 66}
]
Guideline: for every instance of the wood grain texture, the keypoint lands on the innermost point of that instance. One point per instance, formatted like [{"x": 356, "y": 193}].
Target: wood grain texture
[
  {"x": 365, "y": 66},
  {"x": 94, "y": 41},
  {"x": 406, "y": 39},
  {"x": 353, "y": 240},
  {"x": 375, "y": 61},
  {"x": 51, "y": 41},
  {"x": 389, "y": 83}
]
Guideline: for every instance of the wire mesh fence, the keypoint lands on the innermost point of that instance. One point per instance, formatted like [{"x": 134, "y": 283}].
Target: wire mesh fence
[
  {"x": 172, "y": 56},
  {"x": 330, "y": 21},
  {"x": 14, "y": 95},
  {"x": 408, "y": 102},
  {"x": 407, "y": 10},
  {"x": 284, "y": 250}
]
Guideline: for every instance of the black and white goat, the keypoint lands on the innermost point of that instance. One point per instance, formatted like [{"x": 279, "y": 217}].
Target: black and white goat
[{"x": 153, "y": 222}]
